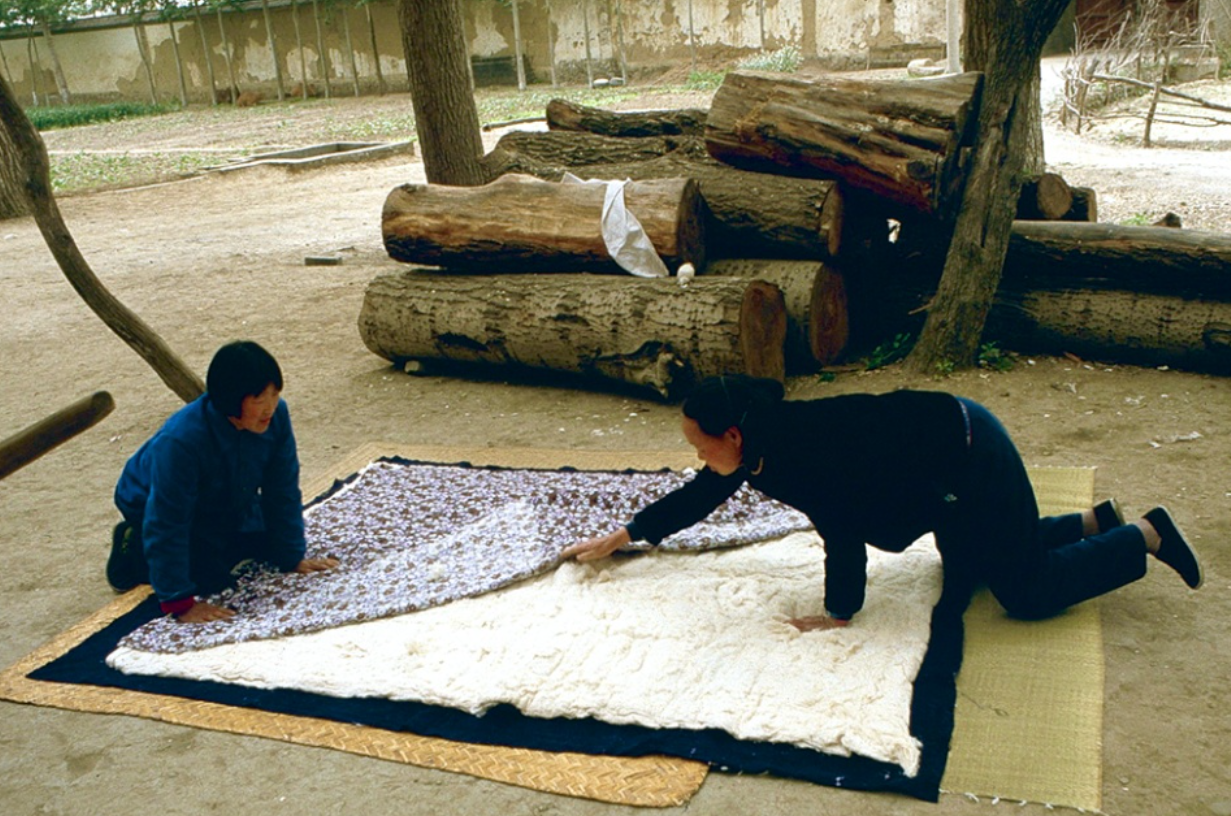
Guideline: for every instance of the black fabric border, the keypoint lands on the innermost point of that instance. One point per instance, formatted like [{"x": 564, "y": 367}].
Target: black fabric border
[{"x": 932, "y": 710}]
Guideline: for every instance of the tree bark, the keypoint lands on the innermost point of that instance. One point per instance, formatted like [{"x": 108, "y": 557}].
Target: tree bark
[
  {"x": 20, "y": 133},
  {"x": 304, "y": 91},
  {"x": 528, "y": 225},
  {"x": 350, "y": 49},
  {"x": 207, "y": 56},
  {"x": 179, "y": 63},
  {"x": 1004, "y": 38},
  {"x": 446, "y": 118},
  {"x": 227, "y": 55},
  {"x": 322, "y": 54},
  {"x": 144, "y": 52},
  {"x": 901, "y": 141},
  {"x": 380, "y": 74},
  {"x": 565, "y": 115},
  {"x": 14, "y": 202},
  {"x": 750, "y": 214},
  {"x": 273, "y": 50},
  {"x": 29, "y": 444},
  {"x": 653, "y": 334},
  {"x": 814, "y": 294}
]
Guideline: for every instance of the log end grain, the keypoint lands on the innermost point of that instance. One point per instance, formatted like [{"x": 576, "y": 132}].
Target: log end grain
[{"x": 762, "y": 331}]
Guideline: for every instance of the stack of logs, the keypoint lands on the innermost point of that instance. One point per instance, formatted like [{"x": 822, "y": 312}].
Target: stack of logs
[{"x": 815, "y": 213}]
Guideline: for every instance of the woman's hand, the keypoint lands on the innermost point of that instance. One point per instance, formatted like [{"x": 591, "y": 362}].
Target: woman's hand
[
  {"x": 814, "y": 622},
  {"x": 202, "y": 612},
  {"x": 316, "y": 565},
  {"x": 593, "y": 549}
]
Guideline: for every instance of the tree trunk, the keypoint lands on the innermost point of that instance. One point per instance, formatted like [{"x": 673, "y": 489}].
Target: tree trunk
[
  {"x": 350, "y": 48},
  {"x": 751, "y": 214},
  {"x": 179, "y": 64},
  {"x": 652, "y": 334},
  {"x": 208, "y": 56},
  {"x": 227, "y": 56},
  {"x": 29, "y": 444},
  {"x": 517, "y": 48},
  {"x": 57, "y": 68},
  {"x": 446, "y": 118},
  {"x": 304, "y": 92},
  {"x": 35, "y": 69},
  {"x": 144, "y": 52},
  {"x": 818, "y": 325},
  {"x": 1004, "y": 38},
  {"x": 565, "y": 115},
  {"x": 273, "y": 50},
  {"x": 13, "y": 200},
  {"x": 19, "y": 133},
  {"x": 901, "y": 141},
  {"x": 528, "y": 225},
  {"x": 380, "y": 75},
  {"x": 322, "y": 54},
  {"x": 1047, "y": 197}
]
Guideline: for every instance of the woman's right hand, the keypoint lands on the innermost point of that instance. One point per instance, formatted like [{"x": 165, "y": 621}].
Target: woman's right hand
[
  {"x": 202, "y": 612},
  {"x": 593, "y": 549}
]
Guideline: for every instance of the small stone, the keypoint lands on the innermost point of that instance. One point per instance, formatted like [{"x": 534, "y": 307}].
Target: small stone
[{"x": 322, "y": 260}]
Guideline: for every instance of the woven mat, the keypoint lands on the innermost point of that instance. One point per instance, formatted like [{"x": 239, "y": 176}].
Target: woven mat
[
  {"x": 1028, "y": 717},
  {"x": 1029, "y": 720}
]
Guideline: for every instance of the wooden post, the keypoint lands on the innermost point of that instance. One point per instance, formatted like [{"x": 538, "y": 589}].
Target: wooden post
[{"x": 27, "y": 445}]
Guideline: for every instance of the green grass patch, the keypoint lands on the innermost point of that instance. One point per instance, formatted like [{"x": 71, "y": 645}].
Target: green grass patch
[
  {"x": 76, "y": 172},
  {"x": 66, "y": 116}
]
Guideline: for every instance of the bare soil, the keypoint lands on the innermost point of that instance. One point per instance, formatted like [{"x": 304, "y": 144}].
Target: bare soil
[{"x": 219, "y": 257}]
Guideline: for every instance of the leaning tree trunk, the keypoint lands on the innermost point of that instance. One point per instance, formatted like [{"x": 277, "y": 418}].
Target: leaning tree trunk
[
  {"x": 179, "y": 64},
  {"x": 446, "y": 118},
  {"x": 751, "y": 214},
  {"x": 303, "y": 60},
  {"x": 143, "y": 49},
  {"x": 380, "y": 74},
  {"x": 13, "y": 200},
  {"x": 35, "y": 69},
  {"x": 1005, "y": 39},
  {"x": 901, "y": 141},
  {"x": 208, "y": 56},
  {"x": 524, "y": 224},
  {"x": 814, "y": 294},
  {"x": 273, "y": 50},
  {"x": 227, "y": 55},
  {"x": 323, "y": 55},
  {"x": 350, "y": 49},
  {"x": 57, "y": 68},
  {"x": 654, "y": 334},
  {"x": 20, "y": 133}
]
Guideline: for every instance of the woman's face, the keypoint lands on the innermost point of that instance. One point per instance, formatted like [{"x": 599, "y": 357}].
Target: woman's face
[
  {"x": 257, "y": 412},
  {"x": 723, "y": 454}
]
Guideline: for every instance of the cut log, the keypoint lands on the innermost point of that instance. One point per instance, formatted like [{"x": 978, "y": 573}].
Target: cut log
[
  {"x": 1047, "y": 198},
  {"x": 814, "y": 294},
  {"x": 562, "y": 148},
  {"x": 524, "y": 224},
  {"x": 654, "y": 334},
  {"x": 565, "y": 115},
  {"x": 902, "y": 141},
  {"x": 1119, "y": 294},
  {"x": 761, "y": 214},
  {"x": 1085, "y": 205},
  {"x": 27, "y": 445}
]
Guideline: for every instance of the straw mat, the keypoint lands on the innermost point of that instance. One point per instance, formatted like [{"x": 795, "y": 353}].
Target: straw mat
[
  {"x": 1029, "y": 694},
  {"x": 1029, "y": 719}
]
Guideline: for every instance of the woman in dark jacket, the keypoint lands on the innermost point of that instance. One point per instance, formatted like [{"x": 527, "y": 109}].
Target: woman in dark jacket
[{"x": 884, "y": 470}]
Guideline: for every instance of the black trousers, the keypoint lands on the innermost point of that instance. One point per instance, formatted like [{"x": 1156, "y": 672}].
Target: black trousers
[{"x": 1035, "y": 567}]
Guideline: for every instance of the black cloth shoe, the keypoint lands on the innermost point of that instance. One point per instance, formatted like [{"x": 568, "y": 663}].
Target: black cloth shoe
[
  {"x": 1107, "y": 515},
  {"x": 126, "y": 565},
  {"x": 1175, "y": 551}
]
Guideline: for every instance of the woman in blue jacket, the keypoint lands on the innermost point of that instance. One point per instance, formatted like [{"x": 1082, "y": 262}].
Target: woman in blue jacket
[
  {"x": 882, "y": 470},
  {"x": 216, "y": 485}
]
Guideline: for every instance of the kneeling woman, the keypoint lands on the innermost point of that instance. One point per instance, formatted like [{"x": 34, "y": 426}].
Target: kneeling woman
[{"x": 884, "y": 470}]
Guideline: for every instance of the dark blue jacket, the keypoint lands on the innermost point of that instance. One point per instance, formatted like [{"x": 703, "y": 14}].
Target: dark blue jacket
[
  {"x": 199, "y": 482},
  {"x": 865, "y": 469}
]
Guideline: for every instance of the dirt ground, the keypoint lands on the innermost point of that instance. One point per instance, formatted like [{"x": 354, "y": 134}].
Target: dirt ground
[{"x": 215, "y": 258}]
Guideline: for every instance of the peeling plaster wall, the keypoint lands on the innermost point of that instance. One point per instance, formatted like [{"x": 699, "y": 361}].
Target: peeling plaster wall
[{"x": 101, "y": 61}]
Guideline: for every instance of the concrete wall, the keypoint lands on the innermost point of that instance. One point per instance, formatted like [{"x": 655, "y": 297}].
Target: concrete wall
[{"x": 101, "y": 61}]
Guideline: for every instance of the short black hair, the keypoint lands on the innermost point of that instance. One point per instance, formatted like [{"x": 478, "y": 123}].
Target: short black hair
[
  {"x": 731, "y": 401},
  {"x": 240, "y": 369}
]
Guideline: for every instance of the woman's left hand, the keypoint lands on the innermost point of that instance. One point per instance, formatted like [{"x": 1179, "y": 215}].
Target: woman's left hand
[
  {"x": 316, "y": 565},
  {"x": 814, "y": 622}
]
